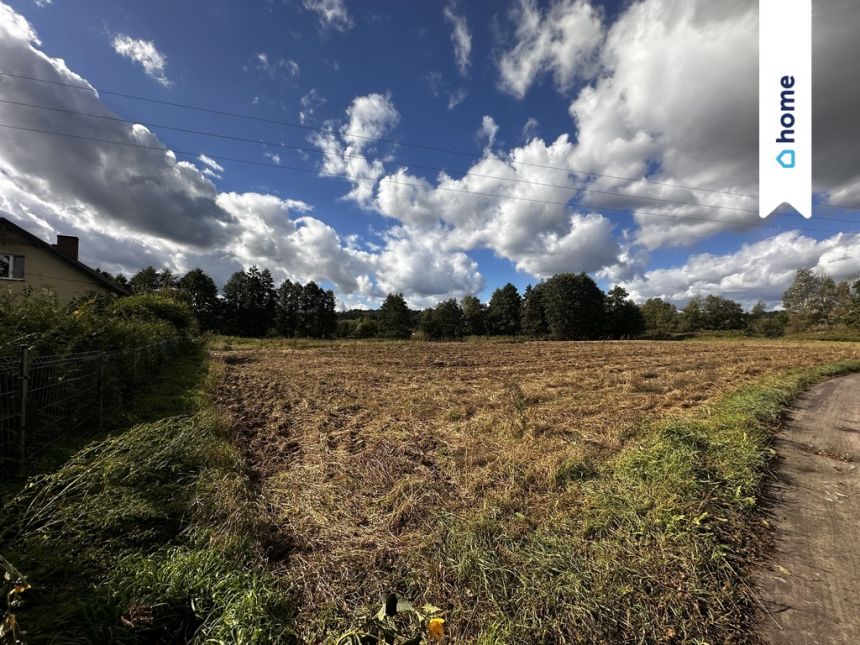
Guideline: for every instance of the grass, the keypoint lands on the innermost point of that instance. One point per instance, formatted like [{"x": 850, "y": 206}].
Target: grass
[
  {"x": 539, "y": 492},
  {"x": 152, "y": 535},
  {"x": 174, "y": 390},
  {"x": 536, "y": 492}
]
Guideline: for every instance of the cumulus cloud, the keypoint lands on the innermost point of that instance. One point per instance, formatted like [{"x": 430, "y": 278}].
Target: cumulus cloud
[
  {"x": 460, "y": 36},
  {"x": 513, "y": 204},
  {"x": 761, "y": 270},
  {"x": 561, "y": 41},
  {"x": 145, "y": 54},
  {"x": 835, "y": 101},
  {"x": 368, "y": 119},
  {"x": 702, "y": 132},
  {"x": 681, "y": 78},
  {"x": 302, "y": 248},
  {"x": 524, "y": 204},
  {"x": 415, "y": 265},
  {"x": 147, "y": 191},
  {"x": 332, "y": 14}
]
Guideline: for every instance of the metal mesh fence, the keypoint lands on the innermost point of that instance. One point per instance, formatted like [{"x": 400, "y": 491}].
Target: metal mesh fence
[
  {"x": 46, "y": 398},
  {"x": 9, "y": 414}
]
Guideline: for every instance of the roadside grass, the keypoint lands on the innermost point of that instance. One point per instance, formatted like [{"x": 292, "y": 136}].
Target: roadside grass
[
  {"x": 650, "y": 550},
  {"x": 174, "y": 390},
  {"x": 152, "y": 535},
  {"x": 229, "y": 343}
]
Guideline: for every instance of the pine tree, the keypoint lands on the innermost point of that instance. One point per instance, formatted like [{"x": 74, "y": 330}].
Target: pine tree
[{"x": 395, "y": 320}]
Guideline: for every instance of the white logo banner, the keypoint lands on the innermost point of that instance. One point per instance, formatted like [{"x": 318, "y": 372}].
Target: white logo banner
[{"x": 785, "y": 105}]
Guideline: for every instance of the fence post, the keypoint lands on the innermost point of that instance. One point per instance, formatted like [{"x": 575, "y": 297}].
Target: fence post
[
  {"x": 23, "y": 386},
  {"x": 101, "y": 388}
]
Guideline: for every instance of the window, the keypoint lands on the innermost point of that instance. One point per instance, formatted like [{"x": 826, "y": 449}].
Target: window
[{"x": 11, "y": 267}]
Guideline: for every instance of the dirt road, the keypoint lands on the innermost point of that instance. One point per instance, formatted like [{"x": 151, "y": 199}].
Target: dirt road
[{"x": 811, "y": 588}]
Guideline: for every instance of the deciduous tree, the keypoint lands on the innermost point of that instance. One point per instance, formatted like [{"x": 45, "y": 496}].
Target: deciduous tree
[
  {"x": 574, "y": 307},
  {"x": 503, "y": 312}
]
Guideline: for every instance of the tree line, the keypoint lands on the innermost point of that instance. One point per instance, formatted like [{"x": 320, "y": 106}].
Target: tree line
[
  {"x": 566, "y": 306},
  {"x": 813, "y": 302},
  {"x": 250, "y": 305}
]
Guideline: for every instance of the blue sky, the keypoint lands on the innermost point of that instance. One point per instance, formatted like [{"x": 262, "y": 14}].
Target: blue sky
[{"x": 499, "y": 80}]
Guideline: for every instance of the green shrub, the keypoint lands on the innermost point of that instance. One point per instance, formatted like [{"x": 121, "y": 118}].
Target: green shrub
[
  {"x": 89, "y": 323},
  {"x": 154, "y": 307}
]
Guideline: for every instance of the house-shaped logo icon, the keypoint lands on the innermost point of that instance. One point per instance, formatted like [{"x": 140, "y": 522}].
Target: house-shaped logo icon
[{"x": 786, "y": 159}]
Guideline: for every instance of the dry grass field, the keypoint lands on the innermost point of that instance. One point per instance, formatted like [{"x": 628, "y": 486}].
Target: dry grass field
[{"x": 478, "y": 477}]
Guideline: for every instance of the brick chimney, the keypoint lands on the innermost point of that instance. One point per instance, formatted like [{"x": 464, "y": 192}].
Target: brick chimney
[{"x": 67, "y": 245}]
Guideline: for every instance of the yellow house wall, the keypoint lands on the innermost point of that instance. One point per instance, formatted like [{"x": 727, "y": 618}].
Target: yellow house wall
[{"x": 44, "y": 272}]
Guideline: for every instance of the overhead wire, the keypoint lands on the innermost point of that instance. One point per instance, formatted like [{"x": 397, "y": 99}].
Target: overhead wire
[
  {"x": 196, "y": 155},
  {"x": 348, "y": 155},
  {"x": 397, "y": 142}
]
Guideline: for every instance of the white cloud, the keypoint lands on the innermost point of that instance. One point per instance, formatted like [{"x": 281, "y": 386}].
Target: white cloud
[
  {"x": 518, "y": 210},
  {"x": 702, "y": 130},
  {"x": 277, "y": 66},
  {"x": 211, "y": 167},
  {"x": 91, "y": 184},
  {"x": 310, "y": 103},
  {"x": 761, "y": 270},
  {"x": 847, "y": 195},
  {"x": 302, "y": 248},
  {"x": 274, "y": 156},
  {"x": 144, "y": 53},
  {"x": 461, "y": 38},
  {"x": 134, "y": 207},
  {"x": 488, "y": 130},
  {"x": 456, "y": 98},
  {"x": 439, "y": 87},
  {"x": 561, "y": 41},
  {"x": 331, "y": 13},
  {"x": 530, "y": 128},
  {"x": 416, "y": 266},
  {"x": 368, "y": 119}
]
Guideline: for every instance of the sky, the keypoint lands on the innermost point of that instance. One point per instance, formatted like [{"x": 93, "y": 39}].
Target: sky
[{"x": 437, "y": 149}]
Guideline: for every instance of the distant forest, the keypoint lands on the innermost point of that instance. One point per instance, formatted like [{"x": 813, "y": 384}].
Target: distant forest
[{"x": 565, "y": 307}]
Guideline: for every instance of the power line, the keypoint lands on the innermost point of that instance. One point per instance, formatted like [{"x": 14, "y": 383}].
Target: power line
[
  {"x": 274, "y": 144},
  {"x": 249, "y": 117},
  {"x": 465, "y": 173},
  {"x": 470, "y": 155},
  {"x": 165, "y": 150}
]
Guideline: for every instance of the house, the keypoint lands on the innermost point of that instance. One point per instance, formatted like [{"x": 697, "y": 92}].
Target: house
[{"x": 27, "y": 261}]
